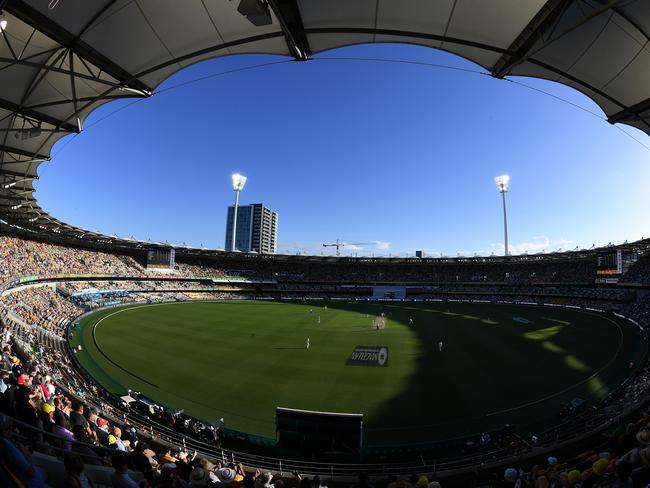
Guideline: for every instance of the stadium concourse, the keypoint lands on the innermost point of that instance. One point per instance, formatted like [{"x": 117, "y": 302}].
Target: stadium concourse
[{"x": 57, "y": 422}]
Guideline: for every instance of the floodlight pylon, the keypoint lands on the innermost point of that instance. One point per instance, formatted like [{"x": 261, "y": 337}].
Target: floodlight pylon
[{"x": 503, "y": 185}]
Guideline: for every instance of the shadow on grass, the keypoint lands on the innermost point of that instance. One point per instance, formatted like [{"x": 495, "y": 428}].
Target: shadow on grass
[{"x": 464, "y": 389}]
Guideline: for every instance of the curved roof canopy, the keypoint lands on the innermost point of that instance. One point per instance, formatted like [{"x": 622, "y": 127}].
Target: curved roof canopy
[{"x": 60, "y": 59}]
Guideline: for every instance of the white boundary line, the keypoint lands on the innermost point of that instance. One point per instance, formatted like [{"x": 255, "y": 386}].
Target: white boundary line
[{"x": 498, "y": 412}]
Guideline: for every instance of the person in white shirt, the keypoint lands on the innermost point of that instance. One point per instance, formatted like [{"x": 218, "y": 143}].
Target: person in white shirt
[
  {"x": 307, "y": 343},
  {"x": 440, "y": 346}
]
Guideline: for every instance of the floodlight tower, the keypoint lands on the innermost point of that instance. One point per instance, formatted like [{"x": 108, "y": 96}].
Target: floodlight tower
[
  {"x": 503, "y": 183},
  {"x": 238, "y": 182}
]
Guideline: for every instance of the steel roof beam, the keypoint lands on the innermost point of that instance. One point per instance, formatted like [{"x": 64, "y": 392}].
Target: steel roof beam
[
  {"x": 548, "y": 15},
  {"x": 403, "y": 33},
  {"x": 28, "y": 14},
  {"x": 79, "y": 100},
  {"x": 632, "y": 113},
  {"x": 36, "y": 115},
  {"x": 288, "y": 14},
  {"x": 528, "y": 56},
  {"x": 22, "y": 152}
]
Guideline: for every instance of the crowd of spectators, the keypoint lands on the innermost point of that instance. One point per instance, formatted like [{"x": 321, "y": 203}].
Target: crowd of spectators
[
  {"x": 19, "y": 256},
  {"x": 371, "y": 271},
  {"x": 59, "y": 412},
  {"x": 639, "y": 272},
  {"x": 43, "y": 413},
  {"x": 42, "y": 306},
  {"x": 26, "y": 257}
]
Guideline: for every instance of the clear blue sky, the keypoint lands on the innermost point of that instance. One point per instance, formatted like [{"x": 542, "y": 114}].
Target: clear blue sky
[{"x": 395, "y": 154}]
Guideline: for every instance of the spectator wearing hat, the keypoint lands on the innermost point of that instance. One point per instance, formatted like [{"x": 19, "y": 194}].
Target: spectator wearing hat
[
  {"x": 117, "y": 440},
  {"x": 231, "y": 476},
  {"x": 592, "y": 476},
  {"x": 510, "y": 478},
  {"x": 227, "y": 476},
  {"x": 573, "y": 477},
  {"x": 169, "y": 477},
  {"x": 47, "y": 418},
  {"x": 199, "y": 477},
  {"x": 102, "y": 431}
]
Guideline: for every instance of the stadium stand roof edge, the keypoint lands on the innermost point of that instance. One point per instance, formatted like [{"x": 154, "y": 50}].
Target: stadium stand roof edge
[{"x": 63, "y": 62}]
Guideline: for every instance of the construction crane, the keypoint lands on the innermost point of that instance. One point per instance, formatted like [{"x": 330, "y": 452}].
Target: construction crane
[{"x": 338, "y": 245}]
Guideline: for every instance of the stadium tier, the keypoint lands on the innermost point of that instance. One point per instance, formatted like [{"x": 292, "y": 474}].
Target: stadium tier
[
  {"x": 126, "y": 363},
  {"x": 54, "y": 296}
]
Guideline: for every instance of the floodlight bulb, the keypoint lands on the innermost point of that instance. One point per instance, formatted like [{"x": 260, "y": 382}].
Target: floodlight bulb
[
  {"x": 238, "y": 182},
  {"x": 3, "y": 23},
  {"x": 502, "y": 182}
]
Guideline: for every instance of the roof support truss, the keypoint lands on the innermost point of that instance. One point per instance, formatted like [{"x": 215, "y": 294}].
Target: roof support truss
[
  {"x": 632, "y": 113},
  {"x": 22, "y": 152},
  {"x": 535, "y": 31},
  {"x": 35, "y": 115},
  {"x": 288, "y": 14},
  {"x": 554, "y": 15},
  {"x": 28, "y": 14}
]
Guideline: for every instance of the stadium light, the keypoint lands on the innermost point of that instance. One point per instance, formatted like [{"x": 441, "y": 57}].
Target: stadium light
[
  {"x": 503, "y": 184},
  {"x": 3, "y": 22},
  {"x": 238, "y": 182}
]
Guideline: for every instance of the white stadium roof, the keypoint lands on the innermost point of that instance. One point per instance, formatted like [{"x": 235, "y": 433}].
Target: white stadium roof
[{"x": 60, "y": 59}]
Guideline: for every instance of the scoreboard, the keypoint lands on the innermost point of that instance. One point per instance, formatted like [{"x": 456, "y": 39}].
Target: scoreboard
[
  {"x": 610, "y": 263},
  {"x": 161, "y": 258},
  {"x": 613, "y": 264}
]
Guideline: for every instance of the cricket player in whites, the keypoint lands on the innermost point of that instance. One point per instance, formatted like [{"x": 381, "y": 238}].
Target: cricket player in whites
[
  {"x": 439, "y": 345},
  {"x": 307, "y": 343}
]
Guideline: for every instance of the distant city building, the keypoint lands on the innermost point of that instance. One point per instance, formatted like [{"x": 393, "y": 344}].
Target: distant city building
[{"x": 257, "y": 229}]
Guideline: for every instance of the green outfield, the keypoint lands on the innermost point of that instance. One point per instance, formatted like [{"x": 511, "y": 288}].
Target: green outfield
[{"x": 240, "y": 360}]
